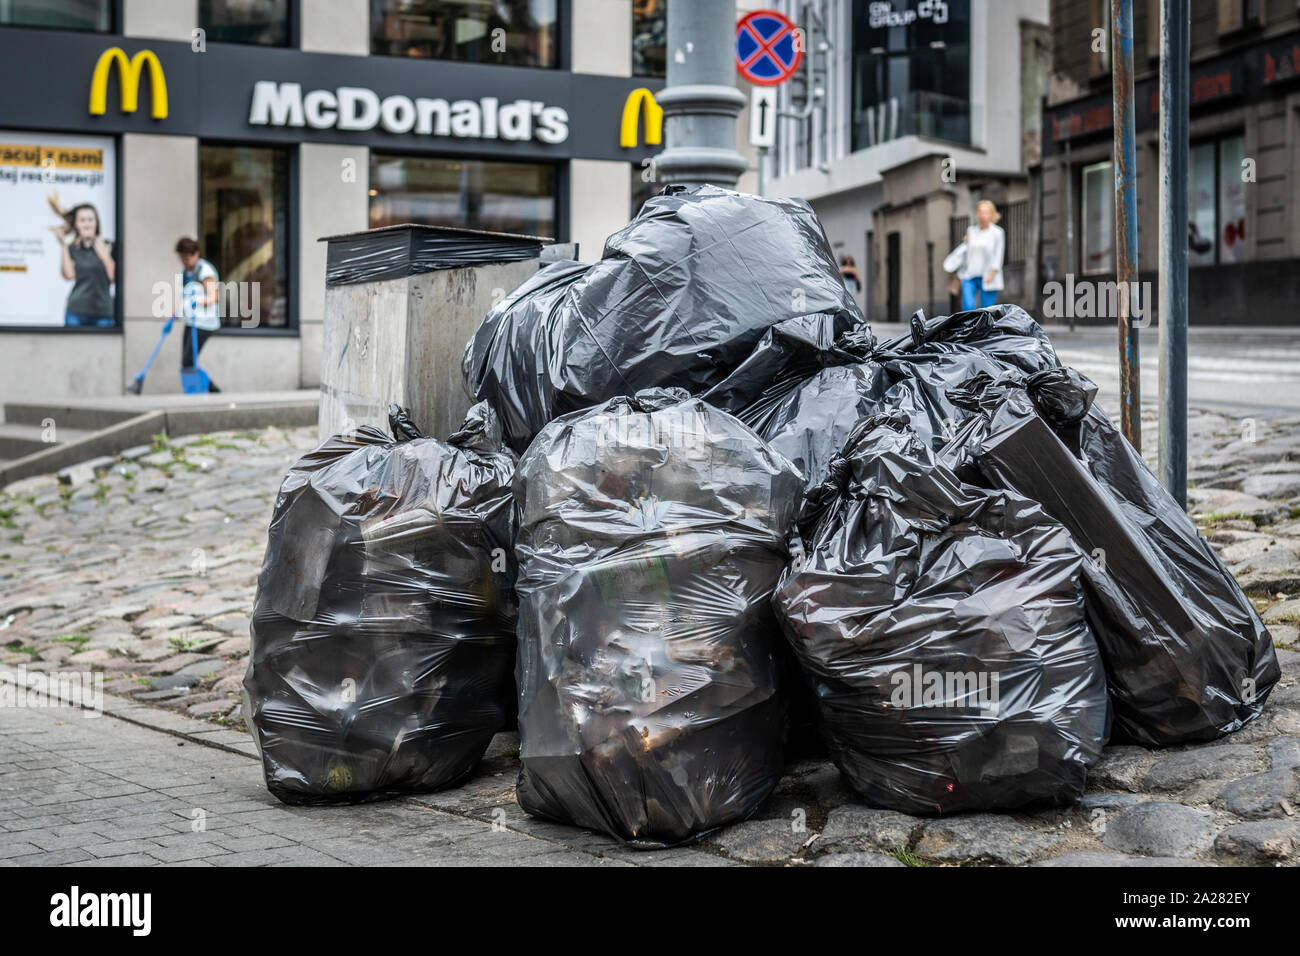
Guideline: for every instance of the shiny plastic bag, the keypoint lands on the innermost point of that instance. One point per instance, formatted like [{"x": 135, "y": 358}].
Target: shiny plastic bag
[
  {"x": 942, "y": 630},
  {"x": 652, "y": 532},
  {"x": 1003, "y": 332},
  {"x": 681, "y": 297},
  {"x": 383, "y": 630},
  {"x": 803, "y": 389},
  {"x": 1187, "y": 656}
]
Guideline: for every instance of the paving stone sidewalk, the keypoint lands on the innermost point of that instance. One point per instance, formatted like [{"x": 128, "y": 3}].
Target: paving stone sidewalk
[{"x": 145, "y": 568}]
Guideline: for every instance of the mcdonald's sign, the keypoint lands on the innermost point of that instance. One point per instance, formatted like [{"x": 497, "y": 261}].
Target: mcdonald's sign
[
  {"x": 654, "y": 119},
  {"x": 129, "y": 71}
]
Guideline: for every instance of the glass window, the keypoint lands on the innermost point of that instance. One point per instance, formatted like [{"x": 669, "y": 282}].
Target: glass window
[
  {"x": 476, "y": 194},
  {"x": 911, "y": 71},
  {"x": 650, "y": 38},
  {"x": 246, "y": 21},
  {"x": 1201, "y": 230},
  {"x": 244, "y": 231},
  {"x": 1216, "y": 202},
  {"x": 1232, "y": 200},
  {"x": 1098, "y": 219},
  {"x": 513, "y": 32},
  {"x": 95, "y": 15}
]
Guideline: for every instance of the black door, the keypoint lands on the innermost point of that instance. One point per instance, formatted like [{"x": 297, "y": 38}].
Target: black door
[{"x": 893, "y": 267}]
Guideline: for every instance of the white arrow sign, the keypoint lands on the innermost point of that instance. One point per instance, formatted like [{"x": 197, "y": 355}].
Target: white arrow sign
[{"x": 762, "y": 117}]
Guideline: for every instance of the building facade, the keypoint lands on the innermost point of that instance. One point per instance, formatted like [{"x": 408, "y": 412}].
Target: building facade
[
  {"x": 260, "y": 126},
  {"x": 929, "y": 106},
  {"x": 1244, "y": 91}
]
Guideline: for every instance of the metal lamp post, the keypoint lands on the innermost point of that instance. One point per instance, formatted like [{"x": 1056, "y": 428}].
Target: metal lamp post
[{"x": 701, "y": 102}]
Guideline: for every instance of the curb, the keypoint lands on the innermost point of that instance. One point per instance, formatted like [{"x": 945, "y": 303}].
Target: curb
[{"x": 142, "y": 715}]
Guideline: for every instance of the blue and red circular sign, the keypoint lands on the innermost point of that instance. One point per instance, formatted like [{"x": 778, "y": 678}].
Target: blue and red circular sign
[{"x": 768, "y": 50}]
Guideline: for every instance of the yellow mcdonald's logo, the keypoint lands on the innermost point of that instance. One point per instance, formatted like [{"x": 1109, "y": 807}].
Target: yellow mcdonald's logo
[
  {"x": 129, "y": 71},
  {"x": 654, "y": 119}
]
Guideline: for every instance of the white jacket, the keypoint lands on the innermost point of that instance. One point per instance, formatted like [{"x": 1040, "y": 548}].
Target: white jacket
[{"x": 984, "y": 252}]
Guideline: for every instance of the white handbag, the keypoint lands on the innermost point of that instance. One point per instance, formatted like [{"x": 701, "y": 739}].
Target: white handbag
[{"x": 955, "y": 261}]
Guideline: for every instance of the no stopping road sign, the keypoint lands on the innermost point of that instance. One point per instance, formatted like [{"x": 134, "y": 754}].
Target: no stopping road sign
[{"x": 768, "y": 47}]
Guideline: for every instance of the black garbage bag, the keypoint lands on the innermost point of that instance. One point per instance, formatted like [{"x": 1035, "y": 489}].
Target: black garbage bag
[
  {"x": 936, "y": 355},
  {"x": 942, "y": 629},
  {"x": 652, "y": 531},
  {"x": 1004, "y": 332},
  {"x": 1187, "y": 657},
  {"x": 804, "y": 387},
  {"x": 917, "y": 384},
  {"x": 383, "y": 630},
  {"x": 681, "y": 297}
]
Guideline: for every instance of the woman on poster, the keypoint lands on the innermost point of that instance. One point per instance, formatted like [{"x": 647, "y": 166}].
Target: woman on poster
[{"x": 87, "y": 260}]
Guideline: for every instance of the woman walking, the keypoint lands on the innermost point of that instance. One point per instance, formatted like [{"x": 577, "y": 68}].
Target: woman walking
[{"x": 981, "y": 272}]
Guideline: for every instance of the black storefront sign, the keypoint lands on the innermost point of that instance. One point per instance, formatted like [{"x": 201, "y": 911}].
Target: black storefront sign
[
  {"x": 387, "y": 103},
  {"x": 1213, "y": 82}
]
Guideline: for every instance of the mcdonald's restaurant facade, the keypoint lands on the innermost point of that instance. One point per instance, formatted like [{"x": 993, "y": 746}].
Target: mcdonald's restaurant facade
[{"x": 257, "y": 129}]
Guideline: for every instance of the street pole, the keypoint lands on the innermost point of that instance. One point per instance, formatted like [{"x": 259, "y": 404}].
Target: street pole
[
  {"x": 1069, "y": 221},
  {"x": 1175, "y": 29},
  {"x": 1126, "y": 247},
  {"x": 701, "y": 102}
]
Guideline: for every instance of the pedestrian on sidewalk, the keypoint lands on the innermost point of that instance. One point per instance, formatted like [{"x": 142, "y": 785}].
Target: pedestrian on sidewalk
[
  {"x": 981, "y": 269},
  {"x": 199, "y": 306},
  {"x": 849, "y": 273}
]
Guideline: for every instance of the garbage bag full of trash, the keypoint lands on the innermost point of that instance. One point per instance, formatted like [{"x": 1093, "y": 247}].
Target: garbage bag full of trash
[
  {"x": 1005, "y": 332},
  {"x": 803, "y": 388},
  {"x": 942, "y": 630},
  {"x": 383, "y": 629},
  {"x": 1187, "y": 656},
  {"x": 652, "y": 531},
  {"x": 681, "y": 297}
]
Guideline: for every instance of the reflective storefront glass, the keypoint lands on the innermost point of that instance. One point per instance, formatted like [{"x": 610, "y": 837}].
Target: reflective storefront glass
[
  {"x": 1098, "y": 219},
  {"x": 477, "y": 194},
  {"x": 244, "y": 227},
  {"x": 911, "y": 70},
  {"x": 512, "y": 32},
  {"x": 264, "y": 22},
  {"x": 94, "y": 15}
]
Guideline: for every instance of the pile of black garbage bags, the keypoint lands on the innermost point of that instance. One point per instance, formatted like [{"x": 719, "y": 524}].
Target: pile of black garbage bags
[{"x": 698, "y": 509}]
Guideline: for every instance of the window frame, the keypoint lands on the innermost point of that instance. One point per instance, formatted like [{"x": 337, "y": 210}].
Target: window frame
[
  {"x": 559, "y": 166},
  {"x": 631, "y": 44},
  {"x": 1082, "y": 249},
  {"x": 292, "y": 217},
  {"x": 563, "y": 43},
  {"x": 115, "y": 16},
  {"x": 292, "y": 31},
  {"x": 1215, "y": 140}
]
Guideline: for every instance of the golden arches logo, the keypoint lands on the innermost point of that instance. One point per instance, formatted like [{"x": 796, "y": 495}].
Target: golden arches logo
[
  {"x": 654, "y": 119},
  {"x": 129, "y": 71}
]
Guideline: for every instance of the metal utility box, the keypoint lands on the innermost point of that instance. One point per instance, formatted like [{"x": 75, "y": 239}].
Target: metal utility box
[{"x": 401, "y": 302}]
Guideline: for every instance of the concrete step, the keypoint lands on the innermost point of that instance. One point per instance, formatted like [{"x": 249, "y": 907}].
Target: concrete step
[
  {"x": 136, "y": 421},
  {"x": 20, "y": 440},
  {"x": 85, "y": 417}
]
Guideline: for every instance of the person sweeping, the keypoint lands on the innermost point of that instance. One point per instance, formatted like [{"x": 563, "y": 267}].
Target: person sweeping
[{"x": 200, "y": 307}]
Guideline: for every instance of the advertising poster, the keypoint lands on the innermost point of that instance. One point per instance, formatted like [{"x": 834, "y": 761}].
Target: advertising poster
[{"x": 58, "y": 230}]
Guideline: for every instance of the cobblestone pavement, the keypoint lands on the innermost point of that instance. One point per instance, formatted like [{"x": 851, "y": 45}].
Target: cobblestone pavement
[{"x": 146, "y": 571}]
